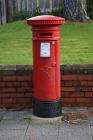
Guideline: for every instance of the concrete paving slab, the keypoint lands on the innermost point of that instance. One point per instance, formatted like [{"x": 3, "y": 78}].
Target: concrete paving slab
[
  {"x": 73, "y": 109},
  {"x": 89, "y": 108},
  {"x": 18, "y": 114},
  {"x": 14, "y": 124},
  {"x": 13, "y": 129},
  {"x": 90, "y": 118},
  {"x": 75, "y": 132},
  {"x": 18, "y": 125},
  {"x": 76, "y": 114},
  {"x": 42, "y": 131},
  {"x": 2, "y": 113},
  {"x": 12, "y": 134},
  {"x": 91, "y": 129}
]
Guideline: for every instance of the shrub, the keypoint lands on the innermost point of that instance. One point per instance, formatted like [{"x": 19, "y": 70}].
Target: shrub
[
  {"x": 56, "y": 12},
  {"x": 90, "y": 8},
  {"x": 37, "y": 12},
  {"x": 25, "y": 14},
  {"x": 21, "y": 15}
]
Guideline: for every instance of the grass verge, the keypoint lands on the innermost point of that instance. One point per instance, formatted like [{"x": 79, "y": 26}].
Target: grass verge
[{"x": 76, "y": 43}]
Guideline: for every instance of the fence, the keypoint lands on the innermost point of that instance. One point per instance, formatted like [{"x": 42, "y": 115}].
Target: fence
[
  {"x": 9, "y": 7},
  {"x": 44, "y": 5},
  {"x": 2, "y": 12}
]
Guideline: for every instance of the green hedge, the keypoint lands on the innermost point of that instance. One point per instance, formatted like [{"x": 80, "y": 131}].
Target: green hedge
[
  {"x": 56, "y": 12},
  {"x": 90, "y": 8},
  {"x": 24, "y": 14},
  {"x": 21, "y": 15}
]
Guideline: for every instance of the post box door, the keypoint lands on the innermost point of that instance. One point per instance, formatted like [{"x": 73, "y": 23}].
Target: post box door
[{"x": 45, "y": 70}]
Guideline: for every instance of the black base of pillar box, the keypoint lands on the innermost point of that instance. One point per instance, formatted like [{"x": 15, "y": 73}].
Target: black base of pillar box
[{"x": 47, "y": 109}]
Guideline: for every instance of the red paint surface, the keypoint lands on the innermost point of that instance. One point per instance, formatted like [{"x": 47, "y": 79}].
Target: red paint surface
[{"x": 46, "y": 70}]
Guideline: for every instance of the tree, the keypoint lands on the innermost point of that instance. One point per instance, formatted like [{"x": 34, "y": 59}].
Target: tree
[{"x": 75, "y": 10}]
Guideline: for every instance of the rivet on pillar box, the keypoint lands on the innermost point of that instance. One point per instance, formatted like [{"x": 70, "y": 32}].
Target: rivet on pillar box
[{"x": 46, "y": 65}]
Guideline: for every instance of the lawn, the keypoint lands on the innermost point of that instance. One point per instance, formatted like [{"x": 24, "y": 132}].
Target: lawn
[{"x": 76, "y": 43}]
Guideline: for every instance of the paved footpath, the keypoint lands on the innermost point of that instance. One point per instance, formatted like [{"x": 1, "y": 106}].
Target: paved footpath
[{"x": 18, "y": 125}]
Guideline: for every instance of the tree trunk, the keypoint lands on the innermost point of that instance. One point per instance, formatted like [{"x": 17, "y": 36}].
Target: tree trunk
[{"x": 75, "y": 10}]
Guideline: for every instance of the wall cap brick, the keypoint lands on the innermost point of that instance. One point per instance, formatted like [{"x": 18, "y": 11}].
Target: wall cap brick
[{"x": 15, "y": 69}]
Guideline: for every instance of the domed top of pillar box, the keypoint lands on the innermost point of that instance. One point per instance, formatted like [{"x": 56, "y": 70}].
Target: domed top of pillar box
[{"x": 45, "y": 20}]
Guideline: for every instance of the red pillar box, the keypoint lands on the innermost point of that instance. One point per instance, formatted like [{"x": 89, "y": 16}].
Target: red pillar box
[{"x": 46, "y": 65}]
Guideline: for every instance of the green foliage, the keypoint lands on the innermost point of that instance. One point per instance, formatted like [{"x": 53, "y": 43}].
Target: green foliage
[
  {"x": 37, "y": 12},
  {"x": 90, "y": 8},
  {"x": 56, "y": 12},
  {"x": 21, "y": 15}
]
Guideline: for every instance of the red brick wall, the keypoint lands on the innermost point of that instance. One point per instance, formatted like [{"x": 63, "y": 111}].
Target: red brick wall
[
  {"x": 16, "y": 85},
  {"x": 77, "y": 85}
]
